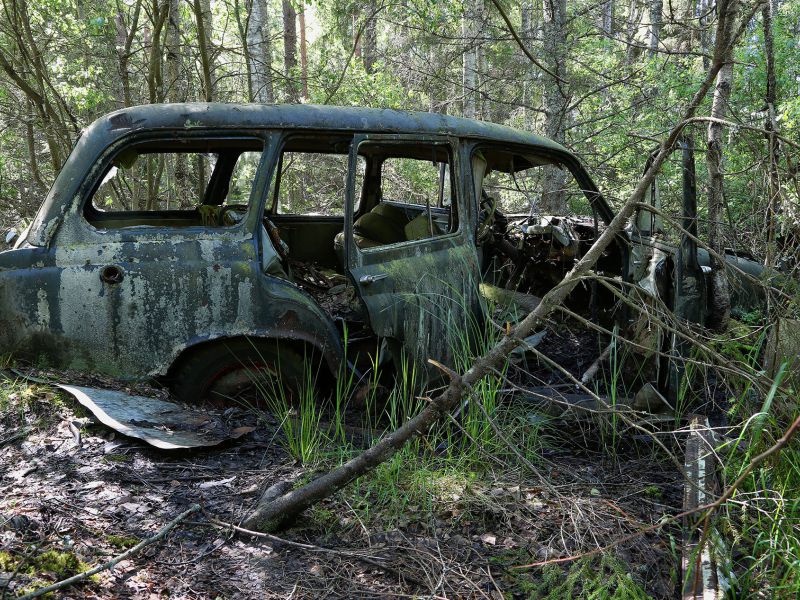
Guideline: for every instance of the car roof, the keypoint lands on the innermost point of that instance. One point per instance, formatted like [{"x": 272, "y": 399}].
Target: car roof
[
  {"x": 305, "y": 116},
  {"x": 242, "y": 117}
]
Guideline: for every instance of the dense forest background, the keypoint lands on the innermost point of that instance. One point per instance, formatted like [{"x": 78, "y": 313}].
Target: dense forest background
[
  {"x": 606, "y": 78},
  {"x": 592, "y": 506}
]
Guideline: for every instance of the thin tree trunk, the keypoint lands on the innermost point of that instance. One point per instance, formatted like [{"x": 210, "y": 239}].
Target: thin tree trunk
[
  {"x": 125, "y": 37},
  {"x": 370, "y": 37},
  {"x": 155, "y": 79},
  {"x": 259, "y": 49},
  {"x": 607, "y": 18},
  {"x": 554, "y": 38},
  {"x": 175, "y": 84},
  {"x": 303, "y": 51},
  {"x": 531, "y": 74},
  {"x": 632, "y": 26},
  {"x": 202, "y": 14},
  {"x": 654, "y": 30},
  {"x": 31, "y": 143},
  {"x": 469, "y": 77},
  {"x": 720, "y": 301},
  {"x": 290, "y": 48},
  {"x": 703, "y": 19},
  {"x": 773, "y": 196}
]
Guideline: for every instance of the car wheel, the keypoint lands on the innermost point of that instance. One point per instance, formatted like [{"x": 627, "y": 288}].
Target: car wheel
[{"x": 227, "y": 369}]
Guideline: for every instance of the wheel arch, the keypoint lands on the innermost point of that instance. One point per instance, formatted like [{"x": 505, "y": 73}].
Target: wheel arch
[{"x": 305, "y": 345}]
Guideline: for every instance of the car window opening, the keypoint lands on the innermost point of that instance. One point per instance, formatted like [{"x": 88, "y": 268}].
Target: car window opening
[{"x": 203, "y": 183}]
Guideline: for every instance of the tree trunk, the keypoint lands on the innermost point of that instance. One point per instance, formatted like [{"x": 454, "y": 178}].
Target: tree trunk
[
  {"x": 554, "y": 41},
  {"x": 290, "y": 48},
  {"x": 654, "y": 30},
  {"x": 204, "y": 21},
  {"x": 607, "y": 17},
  {"x": 176, "y": 83},
  {"x": 259, "y": 50},
  {"x": 469, "y": 73},
  {"x": 703, "y": 19},
  {"x": 31, "y": 143},
  {"x": 633, "y": 23},
  {"x": 125, "y": 38},
  {"x": 531, "y": 73},
  {"x": 303, "y": 52},
  {"x": 719, "y": 294},
  {"x": 155, "y": 79},
  {"x": 773, "y": 187},
  {"x": 370, "y": 47}
]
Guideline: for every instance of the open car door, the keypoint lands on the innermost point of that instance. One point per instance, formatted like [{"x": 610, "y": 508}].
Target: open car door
[{"x": 410, "y": 246}]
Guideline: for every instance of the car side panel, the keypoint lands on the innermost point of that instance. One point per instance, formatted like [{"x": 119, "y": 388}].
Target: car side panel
[{"x": 175, "y": 291}]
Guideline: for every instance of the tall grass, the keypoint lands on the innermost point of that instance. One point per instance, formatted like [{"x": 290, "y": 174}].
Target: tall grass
[
  {"x": 295, "y": 406},
  {"x": 763, "y": 516}
]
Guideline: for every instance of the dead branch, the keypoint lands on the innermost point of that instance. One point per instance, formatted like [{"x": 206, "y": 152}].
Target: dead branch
[
  {"x": 314, "y": 548},
  {"x": 589, "y": 374},
  {"x": 272, "y": 515},
  {"x": 108, "y": 565}
]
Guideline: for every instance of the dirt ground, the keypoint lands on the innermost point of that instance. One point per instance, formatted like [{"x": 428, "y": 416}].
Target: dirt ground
[{"x": 83, "y": 491}]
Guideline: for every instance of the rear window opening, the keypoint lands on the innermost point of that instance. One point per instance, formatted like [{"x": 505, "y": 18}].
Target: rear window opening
[{"x": 205, "y": 183}]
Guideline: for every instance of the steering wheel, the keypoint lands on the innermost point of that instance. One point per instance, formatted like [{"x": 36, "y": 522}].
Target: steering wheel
[{"x": 488, "y": 217}]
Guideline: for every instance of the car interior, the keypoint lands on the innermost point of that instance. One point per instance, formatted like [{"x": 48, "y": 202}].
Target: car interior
[{"x": 404, "y": 192}]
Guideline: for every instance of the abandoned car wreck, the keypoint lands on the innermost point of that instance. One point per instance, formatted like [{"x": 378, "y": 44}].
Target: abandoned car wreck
[{"x": 193, "y": 243}]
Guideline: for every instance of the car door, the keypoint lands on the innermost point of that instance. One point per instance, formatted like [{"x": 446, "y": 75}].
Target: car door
[
  {"x": 138, "y": 286},
  {"x": 421, "y": 293}
]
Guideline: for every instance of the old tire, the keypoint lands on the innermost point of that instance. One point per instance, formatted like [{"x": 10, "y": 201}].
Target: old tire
[{"x": 226, "y": 369}]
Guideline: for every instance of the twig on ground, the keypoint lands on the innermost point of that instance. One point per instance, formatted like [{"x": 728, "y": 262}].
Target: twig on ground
[
  {"x": 13, "y": 438},
  {"x": 595, "y": 366},
  {"x": 107, "y": 565},
  {"x": 313, "y": 548}
]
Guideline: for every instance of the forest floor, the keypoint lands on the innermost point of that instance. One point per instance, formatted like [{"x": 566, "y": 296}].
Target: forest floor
[{"x": 75, "y": 494}]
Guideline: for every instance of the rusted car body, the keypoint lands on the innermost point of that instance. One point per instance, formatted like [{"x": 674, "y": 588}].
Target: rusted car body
[{"x": 174, "y": 232}]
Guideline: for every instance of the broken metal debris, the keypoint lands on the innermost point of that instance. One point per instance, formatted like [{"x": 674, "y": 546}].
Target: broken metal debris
[{"x": 162, "y": 424}]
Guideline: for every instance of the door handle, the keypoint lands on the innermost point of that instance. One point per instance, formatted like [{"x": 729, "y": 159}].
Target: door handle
[
  {"x": 367, "y": 279},
  {"x": 112, "y": 274}
]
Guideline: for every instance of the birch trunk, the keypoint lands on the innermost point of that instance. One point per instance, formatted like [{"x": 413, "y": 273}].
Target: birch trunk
[
  {"x": 719, "y": 293},
  {"x": 259, "y": 50},
  {"x": 469, "y": 78}
]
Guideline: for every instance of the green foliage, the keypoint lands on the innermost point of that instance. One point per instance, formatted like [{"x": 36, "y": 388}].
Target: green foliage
[
  {"x": 299, "y": 414},
  {"x": 122, "y": 541},
  {"x": 59, "y": 565},
  {"x": 606, "y": 578},
  {"x": 603, "y": 577}
]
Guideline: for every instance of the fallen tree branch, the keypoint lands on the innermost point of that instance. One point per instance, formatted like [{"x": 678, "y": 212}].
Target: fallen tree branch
[
  {"x": 270, "y": 516},
  {"x": 107, "y": 565}
]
